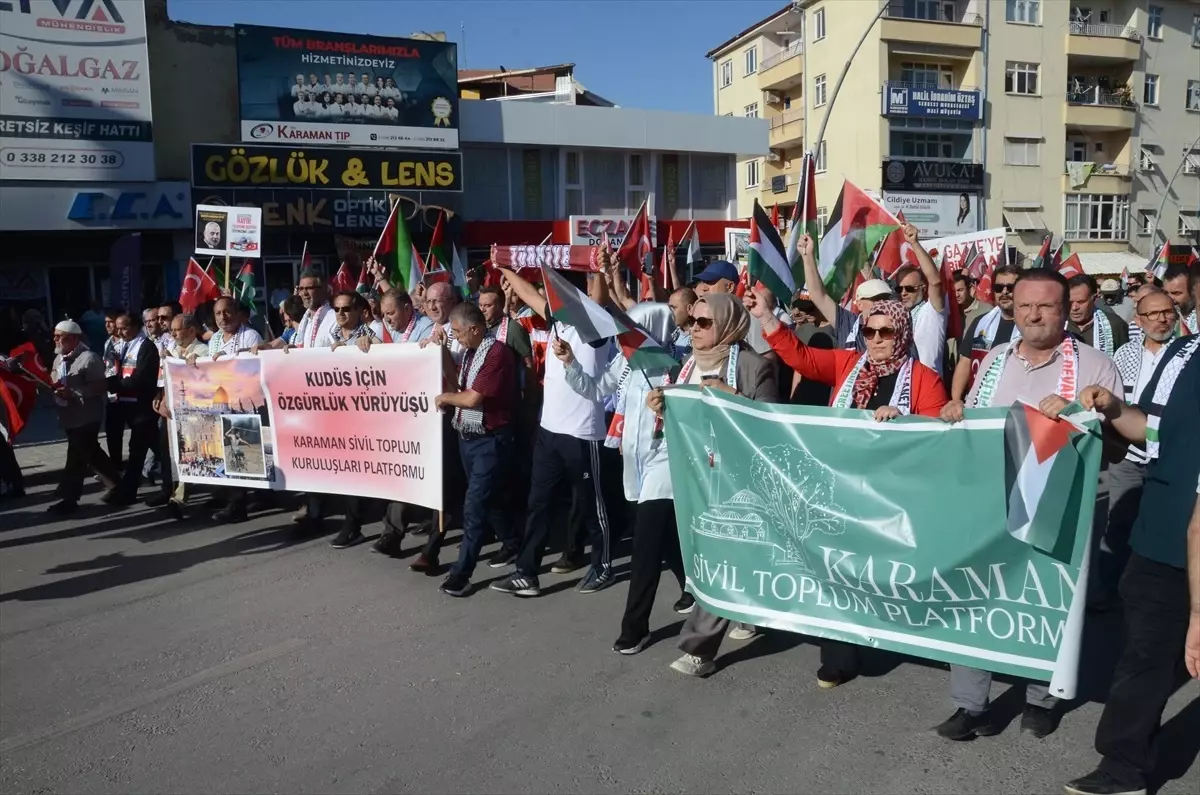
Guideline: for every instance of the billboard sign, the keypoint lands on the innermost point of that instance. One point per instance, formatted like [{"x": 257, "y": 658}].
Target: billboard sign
[
  {"x": 932, "y": 175},
  {"x": 937, "y": 214},
  {"x": 927, "y": 102},
  {"x": 316, "y": 168},
  {"x": 589, "y": 230},
  {"x": 228, "y": 231},
  {"x": 75, "y": 91},
  {"x": 346, "y": 89}
]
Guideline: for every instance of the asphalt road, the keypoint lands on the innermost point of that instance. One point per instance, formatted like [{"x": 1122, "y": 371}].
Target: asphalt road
[{"x": 140, "y": 655}]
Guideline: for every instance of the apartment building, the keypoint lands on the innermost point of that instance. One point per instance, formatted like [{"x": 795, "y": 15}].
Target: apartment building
[{"x": 1038, "y": 115}]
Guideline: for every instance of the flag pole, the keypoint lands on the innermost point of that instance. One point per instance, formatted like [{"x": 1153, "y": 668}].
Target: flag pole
[
  {"x": 816, "y": 147},
  {"x": 227, "y": 266}
]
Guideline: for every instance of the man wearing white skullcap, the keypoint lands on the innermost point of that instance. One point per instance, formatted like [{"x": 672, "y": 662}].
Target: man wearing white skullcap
[{"x": 80, "y": 393}]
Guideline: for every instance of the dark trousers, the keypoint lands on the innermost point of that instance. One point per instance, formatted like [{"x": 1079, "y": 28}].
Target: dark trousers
[
  {"x": 143, "y": 437},
  {"x": 483, "y": 461},
  {"x": 115, "y": 415},
  {"x": 11, "y": 478},
  {"x": 398, "y": 514},
  {"x": 354, "y": 509},
  {"x": 560, "y": 460},
  {"x": 84, "y": 453},
  {"x": 1156, "y": 620},
  {"x": 655, "y": 540}
]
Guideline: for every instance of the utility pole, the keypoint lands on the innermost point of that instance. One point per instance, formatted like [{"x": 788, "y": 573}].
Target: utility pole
[
  {"x": 841, "y": 77},
  {"x": 1167, "y": 192}
]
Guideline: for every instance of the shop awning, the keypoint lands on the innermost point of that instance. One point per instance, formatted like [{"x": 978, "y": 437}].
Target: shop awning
[
  {"x": 1111, "y": 263},
  {"x": 1024, "y": 219}
]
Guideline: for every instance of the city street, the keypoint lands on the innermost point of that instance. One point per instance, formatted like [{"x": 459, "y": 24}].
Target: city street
[{"x": 141, "y": 655}]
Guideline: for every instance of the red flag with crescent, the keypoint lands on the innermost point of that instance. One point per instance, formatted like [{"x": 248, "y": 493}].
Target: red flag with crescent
[
  {"x": 18, "y": 396},
  {"x": 198, "y": 287}
]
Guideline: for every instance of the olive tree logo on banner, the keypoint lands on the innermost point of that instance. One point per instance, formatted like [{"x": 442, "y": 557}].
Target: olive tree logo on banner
[{"x": 792, "y": 498}]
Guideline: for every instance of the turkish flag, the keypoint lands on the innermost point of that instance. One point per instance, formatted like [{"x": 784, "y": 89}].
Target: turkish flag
[
  {"x": 27, "y": 357},
  {"x": 198, "y": 287},
  {"x": 18, "y": 396}
]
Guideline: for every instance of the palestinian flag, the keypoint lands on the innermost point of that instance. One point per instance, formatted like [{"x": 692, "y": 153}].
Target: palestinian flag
[
  {"x": 765, "y": 258},
  {"x": 366, "y": 283},
  {"x": 1040, "y": 465},
  {"x": 1157, "y": 266},
  {"x": 804, "y": 216},
  {"x": 396, "y": 253},
  {"x": 243, "y": 288},
  {"x": 568, "y": 305},
  {"x": 692, "y": 239},
  {"x": 460, "y": 273},
  {"x": 857, "y": 225},
  {"x": 641, "y": 350},
  {"x": 438, "y": 259},
  {"x": 1042, "y": 260}
]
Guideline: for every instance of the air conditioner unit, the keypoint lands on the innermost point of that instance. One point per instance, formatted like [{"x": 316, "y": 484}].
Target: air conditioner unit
[
  {"x": 772, "y": 157},
  {"x": 1191, "y": 165},
  {"x": 773, "y": 98}
]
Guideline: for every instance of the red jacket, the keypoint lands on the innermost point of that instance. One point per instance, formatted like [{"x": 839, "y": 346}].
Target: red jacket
[{"x": 833, "y": 366}]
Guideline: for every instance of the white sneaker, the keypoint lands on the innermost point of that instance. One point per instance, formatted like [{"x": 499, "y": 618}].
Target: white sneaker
[
  {"x": 692, "y": 665},
  {"x": 742, "y": 632}
]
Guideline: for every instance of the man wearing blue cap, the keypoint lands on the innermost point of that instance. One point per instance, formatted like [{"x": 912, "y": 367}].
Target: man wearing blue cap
[{"x": 718, "y": 276}]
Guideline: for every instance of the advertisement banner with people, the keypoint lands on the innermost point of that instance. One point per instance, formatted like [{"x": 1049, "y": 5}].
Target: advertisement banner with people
[
  {"x": 777, "y": 529},
  {"x": 316, "y": 420},
  {"x": 75, "y": 97},
  {"x": 937, "y": 214},
  {"x": 352, "y": 90},
  {"x": 228, "y": 231}
]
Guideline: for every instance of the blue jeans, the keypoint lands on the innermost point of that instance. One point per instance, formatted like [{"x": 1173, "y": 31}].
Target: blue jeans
[{"x": 484, "y": 461}]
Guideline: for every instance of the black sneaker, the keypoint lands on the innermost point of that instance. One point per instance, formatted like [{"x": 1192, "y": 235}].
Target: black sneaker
[
  {"x": 1100, "y": 783},
  {"x": 1038, "y": 721},
  {"x": 504, "y": 557},
  {"x": 684, "y": 604},
  {"x": 518, "y": 584},
  {"x": 829, "y": 678},
  {"x": 175, "y": 509},
  {"x": 155, "y": 500},
  {"x": 595, "y": 580},
  {"x": 962, "y": 725},
  {"x": 63, "y": 508},
  {"x": 347, "y": 537},
  {"x": 626, "y": 646},
  {"x": 388, "y": 543},
  {"x": 422, "y": 528},
  {"x": 229, "y": 516},
  {"x": 424, "y": 564},
  {"x": 456, "y": 585},
  {"x": 566, "y": 564}
]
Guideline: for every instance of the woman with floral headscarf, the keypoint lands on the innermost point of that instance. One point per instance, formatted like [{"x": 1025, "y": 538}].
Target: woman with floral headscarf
[{"x": 886, "y": 379}]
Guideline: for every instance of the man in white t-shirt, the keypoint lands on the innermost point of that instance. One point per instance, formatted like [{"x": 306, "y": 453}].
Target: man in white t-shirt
[
  {"x": 922, "y": 292},
  {"x": 566, "y": 452}
]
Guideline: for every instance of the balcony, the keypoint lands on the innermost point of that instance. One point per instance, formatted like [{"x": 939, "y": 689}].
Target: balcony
[
  {"x": 782, "y": 70},
  {"x": 910, "y": 23},
  {"x": 1103, "y": 42},
  {"x": 1108, "y": 178},
  {"x": 780, "y": 183},
  {"x": 786, "y": 130},
  {"x": 1099, "y": 109}
]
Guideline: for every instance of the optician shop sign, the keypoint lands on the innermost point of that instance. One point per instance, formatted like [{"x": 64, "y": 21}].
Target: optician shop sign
[
  {"x": 122, "y": 205},
  {"x": 922, "y": 102}
]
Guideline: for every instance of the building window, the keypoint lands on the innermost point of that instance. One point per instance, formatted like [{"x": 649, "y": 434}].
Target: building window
[
  {"x": 819, "y": 24},
  {"x": 1189, "y": 224},
  {"x": 726, "y": 74},
  {"x": 1193, "y": 95},
  {"x": 1146, "y": 222},
  {"x": 751, "y": 60},
  {"x": 751, "y": 173},
  {"x": 818, "y": 91},
  {"x": 1021, "y": 78},
  {"x": 1154, "y": 25},
  {"x": 927, "y": 75},
  {"x": 822, "y": 218},
  {"x": 1145, "y": 160},
  {"x": 1196, "y": 30},
  {"x": 820, "y": 165},
  {"x": 1022, "y": 151},
  {"x": 1027, "y": 12},
  {"x": 1150, "y": 91},
  {"x": 636, "y": 180},
  {"x": 573, "y": 181},
  {"x": 934, "y": 146},
  {"x": 751, "y": 111},
  {"x": 1096, "y": 217}
]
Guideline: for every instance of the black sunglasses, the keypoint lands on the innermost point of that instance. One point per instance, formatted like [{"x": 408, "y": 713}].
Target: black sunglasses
[
  {"x": 702, "y": 323},
  {"x": 1003, "y": 288},
  {"x": 905, "y": 288},
  {"x": 885, "y": 333},
  {"x": 342, "y": 310}
]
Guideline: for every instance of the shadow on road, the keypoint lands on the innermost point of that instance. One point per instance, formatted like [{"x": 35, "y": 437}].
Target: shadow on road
[{"x": 115, "y": 570}]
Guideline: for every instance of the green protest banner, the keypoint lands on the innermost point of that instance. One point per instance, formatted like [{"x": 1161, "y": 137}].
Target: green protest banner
[{"x": 912, "y": 535}]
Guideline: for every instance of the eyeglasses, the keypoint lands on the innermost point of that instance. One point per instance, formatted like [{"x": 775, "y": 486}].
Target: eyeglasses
[
  {"x": 907, "y": 288},
  {"x": 1161, "y": 314},
  {"x": 702, "y": 323},
  {"x": 883, "y": 333},
  {"x": 167, "y": 318},
  {"x": 1003, "y": 288},
  {"x": 343, "y": 310}
]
